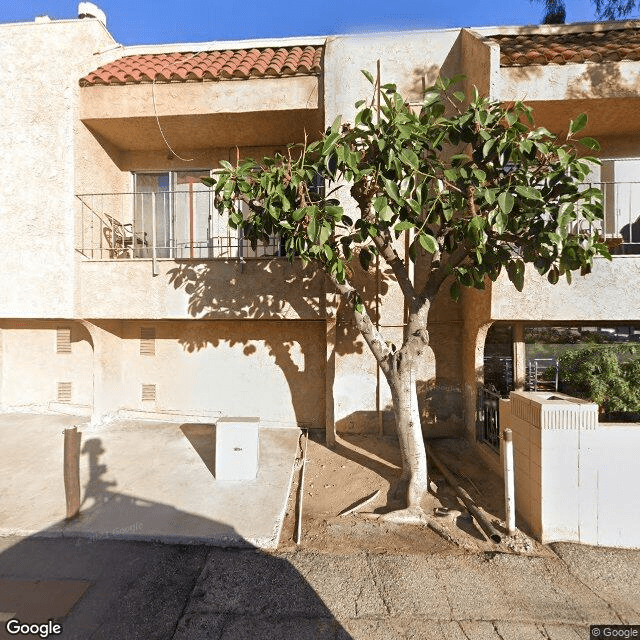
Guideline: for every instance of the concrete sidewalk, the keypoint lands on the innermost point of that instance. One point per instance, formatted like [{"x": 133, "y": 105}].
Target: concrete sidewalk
[
  {"x": 141, "y": 481},
  {"x": 133, "y": 590}
]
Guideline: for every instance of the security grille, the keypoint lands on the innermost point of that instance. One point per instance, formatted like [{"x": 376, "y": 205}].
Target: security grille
[
  {"x": 148, "y": 392},
  {"x": 63, "y": 340},
  {"x": 64, "y": 392},
  {"x": 148, "y": 341}
]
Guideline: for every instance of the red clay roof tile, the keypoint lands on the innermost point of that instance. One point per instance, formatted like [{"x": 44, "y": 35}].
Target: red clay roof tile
[
  {"x": 208, "y": 65},
  {"x": 559, "y": 48}
]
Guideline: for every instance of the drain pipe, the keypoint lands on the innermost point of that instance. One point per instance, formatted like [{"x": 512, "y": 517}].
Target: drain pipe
[
  {"x": 492, "y": 533},
  {"x": 509, "y": 483},
  {"x": 301, "y": 491}
]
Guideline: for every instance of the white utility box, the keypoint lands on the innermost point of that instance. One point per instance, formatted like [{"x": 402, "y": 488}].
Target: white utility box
[{"x": 237, "y": 448}]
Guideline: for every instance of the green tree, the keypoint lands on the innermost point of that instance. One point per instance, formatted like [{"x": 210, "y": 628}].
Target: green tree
[
  {"x": 604, "y": 373},
  {"x": 477, "y": 188},
  {"x": 555, "y": 10}
]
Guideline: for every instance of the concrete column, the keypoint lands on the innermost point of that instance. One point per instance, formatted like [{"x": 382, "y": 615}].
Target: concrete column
[
  {"x": 519, "y": 357},
  {"x": 330, "y": 423},
  {"x": 107, "y": 367}
]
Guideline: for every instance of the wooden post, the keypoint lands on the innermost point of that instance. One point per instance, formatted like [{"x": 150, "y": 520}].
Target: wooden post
[{"x": 72, "y": 471}]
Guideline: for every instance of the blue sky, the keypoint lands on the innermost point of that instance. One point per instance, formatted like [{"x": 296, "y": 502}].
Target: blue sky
[{"x": 163, "y": 21}]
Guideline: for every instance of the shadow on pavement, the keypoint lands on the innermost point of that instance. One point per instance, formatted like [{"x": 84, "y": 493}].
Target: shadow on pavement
[{"x": 106, "y": 585}]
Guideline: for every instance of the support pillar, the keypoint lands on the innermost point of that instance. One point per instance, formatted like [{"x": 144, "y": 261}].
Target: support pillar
[
  {"x": 330, "y": 423},
  {"x": 519, "y": 358},
  {"x": 107, "y": 367}
]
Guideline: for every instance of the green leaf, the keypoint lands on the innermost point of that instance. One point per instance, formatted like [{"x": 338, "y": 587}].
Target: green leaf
[
  {"x": 459, "y": 96},
  {"x": 325, "y": 233},
  {"x": 578, "y": 124},
  {"x": 428, "y": 242},
  {"x": 328, "y": 251},
  {"x": 334, "y": 211},
  {"x": 392, "y": 189},
  {"x": 404, "y": 225},
  {"x": 367, "y": 75},
  {"x": 312, "y": 229},
  {"x": 480, "y": 175},
  {"x": 506, "y": 202},
  {"x": 300, "y": 213},
  {"x": 329, "y": 142},
  {"x": 335, "y": 127},
  {"x": 590, "y": 143},
  {"x": 528, "y": 192},
  {"x": 226, "y": 165},
  {"x": 488, "y": 146},
  {"x": 410, "y": 158},
  {"x": 515, "y": 271}
]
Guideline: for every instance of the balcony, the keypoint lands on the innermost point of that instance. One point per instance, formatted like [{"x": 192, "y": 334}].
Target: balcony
[
  {"x": 621, "y": 223},
  {"x": 174, "y": 225}
]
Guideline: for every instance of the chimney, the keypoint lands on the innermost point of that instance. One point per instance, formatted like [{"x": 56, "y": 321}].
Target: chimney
[{"x": 90, "y": 10}]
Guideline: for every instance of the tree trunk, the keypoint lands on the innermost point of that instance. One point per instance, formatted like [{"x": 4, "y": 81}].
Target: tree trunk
[{"x": 409, "y": 429}]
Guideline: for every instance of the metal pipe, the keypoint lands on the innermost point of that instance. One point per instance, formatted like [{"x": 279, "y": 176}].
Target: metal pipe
[
  {"x": 491, "y": 532},
  {"x": 301, "y": 491},
  {"x": 509, "y": 483}
]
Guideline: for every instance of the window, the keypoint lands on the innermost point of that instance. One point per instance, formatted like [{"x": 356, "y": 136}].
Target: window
[{"x": 175, "y": 209}]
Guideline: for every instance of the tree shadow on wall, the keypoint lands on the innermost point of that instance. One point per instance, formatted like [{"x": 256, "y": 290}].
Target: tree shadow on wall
[{"x": 295, "y": 303}]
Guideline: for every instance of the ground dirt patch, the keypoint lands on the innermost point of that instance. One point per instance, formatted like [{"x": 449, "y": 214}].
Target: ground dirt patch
[{"x": 361, "y": 465}]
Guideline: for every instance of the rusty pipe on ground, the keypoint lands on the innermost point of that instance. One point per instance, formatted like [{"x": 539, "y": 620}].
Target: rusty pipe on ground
[{"x": 490, "y": 531}]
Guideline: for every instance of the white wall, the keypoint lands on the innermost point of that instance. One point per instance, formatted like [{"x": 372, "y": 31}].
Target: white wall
[{"x": 575, "y": 478}]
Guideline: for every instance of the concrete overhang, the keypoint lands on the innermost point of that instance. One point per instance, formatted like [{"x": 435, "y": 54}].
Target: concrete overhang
[
  {"x": 608, "y": 118},
  {"x": 260, "y": 111},
  {"x": 588, "y": 81}
]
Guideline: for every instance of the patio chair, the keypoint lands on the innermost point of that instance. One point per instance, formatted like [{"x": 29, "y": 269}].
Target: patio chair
[{"x": 121, "y": 238}]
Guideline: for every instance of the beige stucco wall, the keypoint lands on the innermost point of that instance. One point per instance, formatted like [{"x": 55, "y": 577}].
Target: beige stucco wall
[
  {"x": 199, "y": 98},
  {"x": 271, "y": 369},
  {"x": 37, "y": 173},
  {"x": 31, "y": 368},
  {"x": 361, "y": 396},
  {"x": 610, "y": 292},
  {"x": 216, "y": 289},
  {"x": 569, "y": 81}
]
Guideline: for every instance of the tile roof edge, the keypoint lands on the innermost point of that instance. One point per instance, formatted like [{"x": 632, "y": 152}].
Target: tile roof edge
[
  {"x": 558, "y": 29},
  {"x": 224, "y": 45}
]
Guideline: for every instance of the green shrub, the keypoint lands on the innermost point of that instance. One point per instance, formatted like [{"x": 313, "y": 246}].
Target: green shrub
[{"x": 607, "y": 374}]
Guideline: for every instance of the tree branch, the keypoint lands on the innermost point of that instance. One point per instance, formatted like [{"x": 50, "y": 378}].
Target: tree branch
[
  {"x": 448, "y": 261},
  {"x": 384, "y": 244},
  {"x": 380, "y": 349}
]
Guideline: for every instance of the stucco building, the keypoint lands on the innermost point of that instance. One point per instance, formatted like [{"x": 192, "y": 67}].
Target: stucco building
[{"x": 123, "y": 292}]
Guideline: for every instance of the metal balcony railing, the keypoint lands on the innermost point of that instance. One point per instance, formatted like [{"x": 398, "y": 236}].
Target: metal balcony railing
[
  {"x": 621, "y": 223},
  {"x": 167, "y": 224}
]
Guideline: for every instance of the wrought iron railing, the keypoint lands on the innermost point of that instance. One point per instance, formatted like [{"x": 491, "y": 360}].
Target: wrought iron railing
[
  {"x": 489, "y": 417},
  {"x": 621, "y": 222},
  {"x": 167, "y": 224}
]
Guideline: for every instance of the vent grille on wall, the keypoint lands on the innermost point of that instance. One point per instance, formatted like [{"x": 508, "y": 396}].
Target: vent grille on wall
[
  {"x": 147, "y": 341},
  {"x": 64, "y": 392},
  {"x": 63, "y": 340},
  {"x": 148, "y": 392}
]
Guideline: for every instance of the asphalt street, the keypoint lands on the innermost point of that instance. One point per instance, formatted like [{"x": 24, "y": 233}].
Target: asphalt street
[{"x": 108, "y": 589}]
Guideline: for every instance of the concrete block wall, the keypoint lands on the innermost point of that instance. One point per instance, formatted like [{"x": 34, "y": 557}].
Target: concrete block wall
[{"x": 575, "y": 478}]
